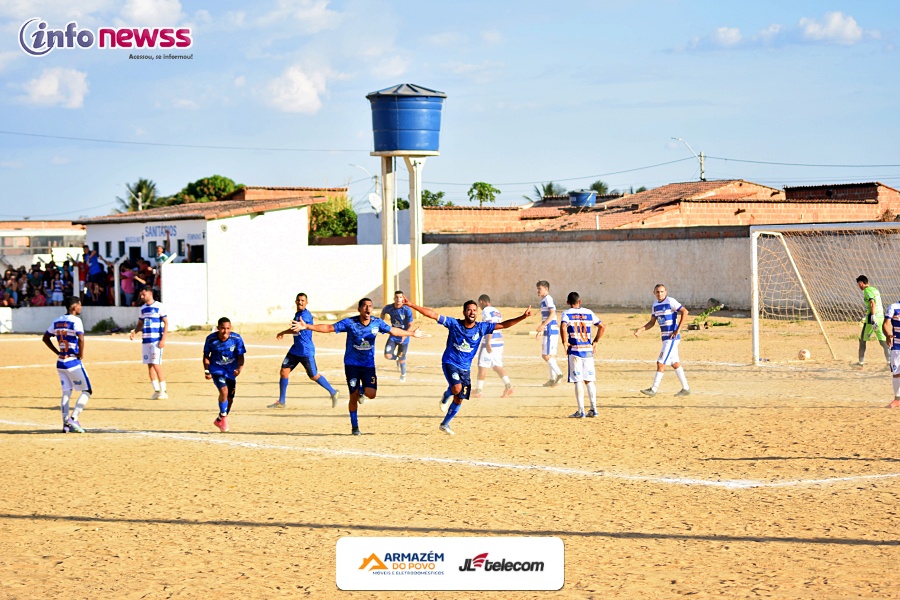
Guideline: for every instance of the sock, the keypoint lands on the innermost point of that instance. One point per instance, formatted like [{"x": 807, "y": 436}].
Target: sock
[
  {"x": 592, "y": 395},
  {"x": 506, "y": 381},
  {"x": 324, "y": 383},
  {"x": 896, "y": 382},
  {"x": 887, "y": 350},
  {"x": 354, "y": 419},
  {"x": 862, "y": 350},
  {"x": 64, "y": 405},
  {"x": 680, "y": 372},
  {"x": 402, "y": 366},
  {"x": 656, "y": 380},
  {"x": 447, "y": 395},
  {"x": 162, "y": 386},
  {"x": 282, "y": 389},
  {"x": 479, "y": 385},
  {"x": 554, "y": 368},
  {"x": 579, "y": 396},
  {"x": 79, "y": 405},
  {"x": 451, "y": 412},
  {"x": 155, "y": 384},
  {"x": 223, "y": 408}
]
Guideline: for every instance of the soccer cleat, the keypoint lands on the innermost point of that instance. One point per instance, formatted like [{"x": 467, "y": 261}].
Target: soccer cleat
[
  {"x": 355, "y": 431},
  {"x": 361, "y": 399},
  {"x": 75, "y": 426},
  {"x": 65, "y": 427},
  {"x": 895, "y": 403},
  {"x": 155, "y": 396},
  {"x": 591, "y": 413},
  {"x": 222, "y": 423},
  {"x": 446, "y": 429},
  {"x": 860, "y": 364},
  {"x": 334, "y": 400},
  {"x": 649, "y": 392},
  {"x": 549, "y": 383},
  {"x": 402, "y": 378},
  {"x": 557, "y": 380},
  {"x": 277, "y": 404},
  {"x": 577, "y": 415},
  {"x": 476, "y": 394},
  {"x": 445, "y": 404},
  {"x": 162, "y": 396},
  {"x": 507, "y": 392},
  {"x": 683, "y": 392}
]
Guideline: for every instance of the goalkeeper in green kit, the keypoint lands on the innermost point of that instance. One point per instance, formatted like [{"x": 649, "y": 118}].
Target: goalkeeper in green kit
[{"x": 873, "y": 320}]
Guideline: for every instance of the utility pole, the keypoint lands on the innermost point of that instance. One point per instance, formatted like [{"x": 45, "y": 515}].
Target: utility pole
[{"x": 701, "y": 158}]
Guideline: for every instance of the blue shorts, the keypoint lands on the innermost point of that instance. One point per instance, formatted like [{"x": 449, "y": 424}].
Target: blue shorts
[
  {"x": 222, "y": 380},
  {"x": 398, "y": 349},
  {"x": 360, "y": 378},
  {"x": 454, "y": 376},
  {"x": 309, "y": 363}
]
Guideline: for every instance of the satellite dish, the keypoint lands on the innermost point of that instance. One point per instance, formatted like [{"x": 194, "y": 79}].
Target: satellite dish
[{"x": 375, "y": 202}]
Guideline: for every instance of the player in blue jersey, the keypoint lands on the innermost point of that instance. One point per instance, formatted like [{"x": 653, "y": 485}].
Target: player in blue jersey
[
  {"x": 576, "y": 325},
  {"x": 401, "y": 317},
  {"x": 463, "y": 338},
  {"x": 550, "y": 330},
  {"x": 490, "y": 353},
  {"x": 154, "y": 328},
  {"x": 670, "y": 315},
  {"x": 359, "y": 353},
  {"x": 69, "y": 333},
  {"x": 891, "y": 329},
  {"x": 223, "y": 360},
  {"x": 302, "y": 352}
]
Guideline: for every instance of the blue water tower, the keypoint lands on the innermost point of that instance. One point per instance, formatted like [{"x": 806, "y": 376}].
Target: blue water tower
[
  {"x": 582, "y": 198},
  {"x": 406, "y": 119},
  {"x": 406, "y": 122}
]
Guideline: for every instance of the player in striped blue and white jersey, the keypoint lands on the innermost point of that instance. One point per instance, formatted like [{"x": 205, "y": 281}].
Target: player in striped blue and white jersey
[
  {"x": 670, "y": 315},
  {"x": 69, "y": 333},
  {"x": 891, "y": 329},
  {"x": 153, "y": 327},
  {"x": 576, "y": 326},
  {"x": 550, "y": 330},
  {"x": 490, "y": 352}
]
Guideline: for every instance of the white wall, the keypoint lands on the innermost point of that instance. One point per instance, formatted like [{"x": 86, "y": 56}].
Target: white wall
[
  {"x": 37, "y": 319},
  {"x": 184, "y": 294},
  {"x": 368, "y": 228}
]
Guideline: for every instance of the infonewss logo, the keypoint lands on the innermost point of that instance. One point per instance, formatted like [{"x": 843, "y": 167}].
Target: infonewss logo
[{"x": 36, "y": 38}]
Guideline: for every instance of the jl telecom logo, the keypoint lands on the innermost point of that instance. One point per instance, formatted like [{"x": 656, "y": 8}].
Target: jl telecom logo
[
  {"x": 37, "y": 39},
  {"x": 480, "y": 560},
  {"x": 474, "y": 563}
]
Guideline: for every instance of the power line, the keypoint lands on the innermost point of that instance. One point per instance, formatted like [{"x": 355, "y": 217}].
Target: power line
[
  {"x": 165, "y": 145},
  {"x": 787, "y": 164},
  {"x": 68, "y": 212}
]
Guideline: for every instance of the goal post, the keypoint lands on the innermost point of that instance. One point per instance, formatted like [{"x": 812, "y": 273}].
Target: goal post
[{"x": 808, "y": 272}]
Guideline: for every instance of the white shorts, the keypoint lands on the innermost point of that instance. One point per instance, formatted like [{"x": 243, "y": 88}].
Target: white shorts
[
  {"x": 152, "y": 353},
  {"x": 895, "y": 362},
  {"x": 548, "y": 346},
  {"x": 581, "y": 369},
  {"x": 74, "y": 378},
  {"x": 57, "y": 297},
  {"x": 494, "y": 358},
  {"x": 669, "y": 353}
]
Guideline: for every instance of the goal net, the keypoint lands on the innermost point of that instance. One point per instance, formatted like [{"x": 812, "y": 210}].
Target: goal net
[{"x": 805, "y": 275}]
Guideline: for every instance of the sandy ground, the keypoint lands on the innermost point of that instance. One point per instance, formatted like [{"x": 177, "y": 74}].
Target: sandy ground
[{"x": 779, "y": 481}]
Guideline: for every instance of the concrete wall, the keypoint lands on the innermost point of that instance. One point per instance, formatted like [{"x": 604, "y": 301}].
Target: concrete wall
[
  {"x": 368, "y": 228},
  {"x": 185, "y": 295},
  {"x": 37, "y": 319}
]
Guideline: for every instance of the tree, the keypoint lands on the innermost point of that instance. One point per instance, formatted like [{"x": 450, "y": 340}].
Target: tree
[
  {"x": 483, "y": 192},
  {"x": 546, "y": 189},
  {"x": 428, "y": 199},
  {"x": 335, "y": 217},
  {"x": 207, "y": 189},
  {"x": 143, "y": 190},
  {"x": 601, "y": 187}
]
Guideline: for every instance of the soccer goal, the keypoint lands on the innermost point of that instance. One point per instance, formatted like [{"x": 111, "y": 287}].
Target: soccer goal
[{"x": 808, "y": 272}]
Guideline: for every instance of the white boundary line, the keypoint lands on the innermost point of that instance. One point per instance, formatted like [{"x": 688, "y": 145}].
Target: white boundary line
[{"x": 686, "y": 481}]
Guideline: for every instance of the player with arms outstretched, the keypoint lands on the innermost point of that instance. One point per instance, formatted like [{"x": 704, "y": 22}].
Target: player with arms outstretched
[
  {"x": 223, "y": 360},
  {"x": 670, "y": 315},
  {"x": 463, "y": 337},
  {"x": 69, "y": 333},
  {"x": 576, "y": 325},
  {"x": 359, "y": 353},
  {"x": 401, "y": 317}
]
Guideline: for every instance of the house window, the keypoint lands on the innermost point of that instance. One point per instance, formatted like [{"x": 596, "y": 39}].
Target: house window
[
  {"x": 108, "y": 249},
  {"x": 121, "y": 248}
]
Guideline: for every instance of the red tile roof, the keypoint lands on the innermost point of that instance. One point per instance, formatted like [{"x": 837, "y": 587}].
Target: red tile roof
[
  {"x": 547, "y": 212},
  {"x": 204, "y": 210}
]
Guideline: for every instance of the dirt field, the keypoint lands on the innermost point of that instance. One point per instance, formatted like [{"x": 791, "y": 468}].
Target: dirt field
[{"x": 780, "y": 481}]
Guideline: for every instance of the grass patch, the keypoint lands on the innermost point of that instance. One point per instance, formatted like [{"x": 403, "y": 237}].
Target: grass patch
[{"x": 105, "y": 326}]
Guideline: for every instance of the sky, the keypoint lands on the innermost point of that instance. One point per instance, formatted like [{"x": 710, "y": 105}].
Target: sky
[{"x": 274, "y": 94}]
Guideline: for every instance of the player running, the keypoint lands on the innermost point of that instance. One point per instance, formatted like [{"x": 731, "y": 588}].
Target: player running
[
  {"x": 359, "y": 353},
  {"x": 401, "y": 317},
  {"x": 891, "y": 330},
  {"x": 874, "y": 321},
  {"x": 69, "y": 333},
  {"x": 664, "y": 311},
  {"x": 550, "y": 329},
  {"x": 303, "y": 352},
  {"x": 153, "y": 327},
  {"x": 463, "y": 337},
  {"x": 490, "y": 352},
  {"x": 223, "y": 360},
  {"x": 576, "y": 324}
]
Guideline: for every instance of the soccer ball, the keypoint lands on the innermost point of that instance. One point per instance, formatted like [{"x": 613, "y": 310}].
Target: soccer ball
[{"x": 804, "y": 355}]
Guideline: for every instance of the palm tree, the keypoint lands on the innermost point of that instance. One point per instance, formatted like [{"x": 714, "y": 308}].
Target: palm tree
[
  {"x": 601, "y": 187},
  {"x": 546, "y": 189},
  {"x": 141, "y": 195}
]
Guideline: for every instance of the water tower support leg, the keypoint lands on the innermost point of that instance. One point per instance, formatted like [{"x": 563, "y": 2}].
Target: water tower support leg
[
  {"x": 388, "y": 250},
  {"x": 415, "y": 164}
]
